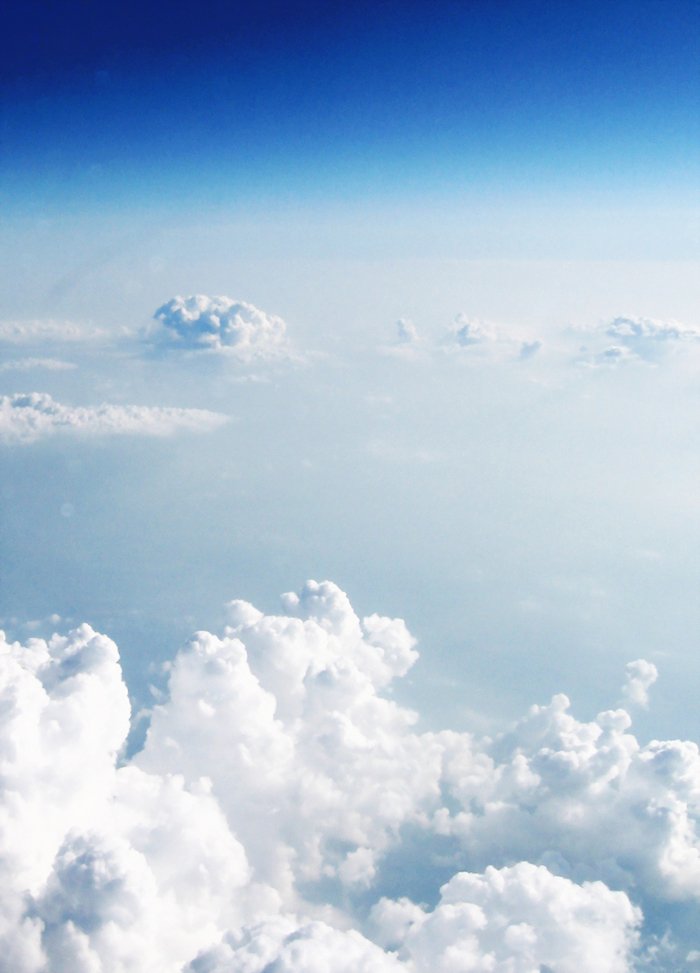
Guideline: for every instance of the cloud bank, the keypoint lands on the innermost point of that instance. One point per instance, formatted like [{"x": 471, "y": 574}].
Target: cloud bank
[
  {"x": 279, "y": 793},
  {"x": 222, "y": 325},
  {"x": 26, "y": 417}
]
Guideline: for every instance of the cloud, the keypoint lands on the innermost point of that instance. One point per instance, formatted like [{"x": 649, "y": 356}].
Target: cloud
[
  {"x": 513, "y": 920},
  {"x": 476, "y": 339},
  {"x": 26, "y": 417},
  {"x": 49, "y": 331},
  {"x": 640, "y": 676},
  {"x": 625, "y": 340},
  {"x": 465, "y": 331},
  {"x": 486, "y": 339},
  {"x": 287, "y": 946},
  {"x": 223, "y": 325},
  {"x": 281, "y": 792},
  {"x": 30, "y": 364},
  {"x": 406, "y": 331},
  {"x": 646, "y": 331}
]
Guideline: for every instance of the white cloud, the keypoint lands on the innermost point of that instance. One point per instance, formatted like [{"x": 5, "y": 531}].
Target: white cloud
[
  {"x": 279, "y": 780},
  {"x": 511, "y": 920},
  {"x": 514, "y": 920},
  {"x": 26, "y": 417},
  {"x": 223, "y": 325},
  {"x": 643, "y": 331},
  {"x": 484, "y": 338},
  {"x": 640, "y": 676},
  {"x": 287, "y": 946},
  {"x": 478, "y": 340},
  {"x": 465, "y": 331},
  {"x": 625, "y": 340}
]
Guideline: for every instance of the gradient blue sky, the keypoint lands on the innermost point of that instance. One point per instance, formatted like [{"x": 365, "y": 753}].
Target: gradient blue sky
[{"x": 164, "y": 105}]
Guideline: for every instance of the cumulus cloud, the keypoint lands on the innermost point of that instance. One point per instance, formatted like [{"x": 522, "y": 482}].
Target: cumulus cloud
[
  {"x": 26, "y": 417},
  {"x": 287, "y": 946},
  {"x": 478, "y": 336},
  {"x": 513, "y": 920},
  {"x": 625, "y": 340},
  {"x": 223, "y": 325},
  {"x": 279, "y": 792},
  {"x": 465, "y": 331},
  {"x": 642, "y": 332},
  {"x": 640, "y": 675}
]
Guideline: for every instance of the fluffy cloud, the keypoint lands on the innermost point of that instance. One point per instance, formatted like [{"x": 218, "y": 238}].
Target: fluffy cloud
[
  {"x": 635, "y": 339},
  {"x": 280, "y": 791},
  {"x": 641, "y": 675},
  {"x": 102, "y": 867},
  {"x": 26, "y": 417},
  {"x": 223, "y": 325},
  {"x": 641, "y": 332},
  {"x": 299, "y": 696},
  {"x": 286, "y": 946},
  {"x": 513, "y": 920},
  {"x": 486, "y": 339},
  {"x": 478, "y": 340}
]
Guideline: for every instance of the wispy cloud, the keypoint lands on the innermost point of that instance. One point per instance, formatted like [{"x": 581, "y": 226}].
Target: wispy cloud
[
  {"x": 26, "y": 417},
  {"x": 49, "y": 331},
  {"x": 32, "y": 364}
]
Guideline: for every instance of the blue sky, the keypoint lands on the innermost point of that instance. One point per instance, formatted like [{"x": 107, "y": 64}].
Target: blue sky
[{"x": 124, "y": 106}]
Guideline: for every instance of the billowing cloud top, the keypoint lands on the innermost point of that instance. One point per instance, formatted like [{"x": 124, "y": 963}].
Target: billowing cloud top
[
  {"x": 280, "y": 792},
  {"x": 26, "y": 417},
  {"x": 223, "y": 325}
]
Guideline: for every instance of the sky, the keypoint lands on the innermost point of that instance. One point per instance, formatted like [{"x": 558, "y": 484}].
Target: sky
[{"x": 393, "y": 306}]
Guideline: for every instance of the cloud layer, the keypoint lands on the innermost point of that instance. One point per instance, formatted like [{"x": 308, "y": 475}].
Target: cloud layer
[
  {"x": 26, "y": 417},
  {"x": 281, "y": 791},
  {"x": 619, "y": 341},
  {"x": 223, "y": 325}
]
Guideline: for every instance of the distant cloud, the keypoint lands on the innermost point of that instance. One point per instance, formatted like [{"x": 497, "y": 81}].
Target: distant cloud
[
  {"x": 220, "y": 324},
  {"x": 281, "y": 789},
  {"x": 30, "y": 364},
  {"x": 49, "y": 331},
  {"x": 406, "y": 330},
  {"x": 408, "y": 343},
  {"x": 477, "y": 339},
  {"x": 625, "y": 340},
  {"x": 472, "y": 334},
  {"x": 26, "y": 417},
  {"x": 645, "y": 331},
  {"x": 465, "y": 331},
  {"x": 641, "y": 675},
  {"x": 514, "y": 918}
]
